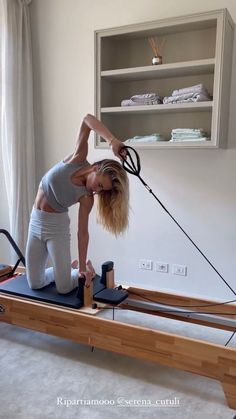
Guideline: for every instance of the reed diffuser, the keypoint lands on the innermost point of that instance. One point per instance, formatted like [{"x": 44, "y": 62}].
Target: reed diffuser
[{"x": 157, "y": 56}]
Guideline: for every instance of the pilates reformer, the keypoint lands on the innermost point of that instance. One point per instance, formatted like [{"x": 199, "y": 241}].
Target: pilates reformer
[
  {"x": 48, "y": 312},
  {"x": 74, "y": 317}
]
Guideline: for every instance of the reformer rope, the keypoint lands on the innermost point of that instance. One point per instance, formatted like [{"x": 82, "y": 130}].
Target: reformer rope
[{"x": 132, "y": 165}]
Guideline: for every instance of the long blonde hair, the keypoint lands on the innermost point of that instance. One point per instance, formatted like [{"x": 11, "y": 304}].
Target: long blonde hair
[{"x": 113, "y": 205}]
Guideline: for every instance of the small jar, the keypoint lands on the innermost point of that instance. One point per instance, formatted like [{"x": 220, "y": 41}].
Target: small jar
[{"x": 156, "y": 60}]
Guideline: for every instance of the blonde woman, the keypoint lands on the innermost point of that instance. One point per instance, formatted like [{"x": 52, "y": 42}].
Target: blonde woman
[{"x": 74, "y": 180}]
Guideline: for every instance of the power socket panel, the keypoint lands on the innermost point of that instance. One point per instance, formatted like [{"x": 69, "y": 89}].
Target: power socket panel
[
  {"x": 161, "y": 267},
  {"x": 179, "y": 270},
  {"x": 145, "y": 264}
]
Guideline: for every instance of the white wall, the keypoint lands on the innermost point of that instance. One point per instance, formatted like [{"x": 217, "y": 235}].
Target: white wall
[{"x": 197, "y": 186}]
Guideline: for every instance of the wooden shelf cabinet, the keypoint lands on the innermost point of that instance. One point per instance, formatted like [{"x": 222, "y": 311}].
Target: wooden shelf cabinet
[{"x": 197, "y": 49}]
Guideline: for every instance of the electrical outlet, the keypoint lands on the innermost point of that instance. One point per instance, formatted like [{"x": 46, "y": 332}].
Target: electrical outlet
[
  {"x": 179, "y": 270},
  {"x": 145, "y": 264},
  {"x": 161, "y": 267}
]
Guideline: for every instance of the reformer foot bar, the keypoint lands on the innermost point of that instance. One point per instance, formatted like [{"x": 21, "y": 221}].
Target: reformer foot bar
[{"x": 81, "y": 325}]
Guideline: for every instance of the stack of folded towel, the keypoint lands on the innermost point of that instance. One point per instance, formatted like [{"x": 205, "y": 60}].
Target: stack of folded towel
[
  {"x": 188, "y": 134},
  {"x": 145, "y": 139},
  {"x": 197, "y": 93},
  {"x": 142, "y": 100}
]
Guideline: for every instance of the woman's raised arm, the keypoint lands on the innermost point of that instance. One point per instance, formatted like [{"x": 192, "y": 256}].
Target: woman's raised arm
[{"x": 89, "y": 123}]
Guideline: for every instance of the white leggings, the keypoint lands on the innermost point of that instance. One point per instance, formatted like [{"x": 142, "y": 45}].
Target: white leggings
[{"x": 49, "y": 236}]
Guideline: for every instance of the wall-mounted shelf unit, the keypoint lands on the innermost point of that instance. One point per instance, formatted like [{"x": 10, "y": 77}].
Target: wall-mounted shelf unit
[{"x": 197, "y": 50}]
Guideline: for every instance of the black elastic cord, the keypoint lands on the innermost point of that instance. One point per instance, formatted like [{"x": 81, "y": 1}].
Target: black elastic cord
[
  {"x": 134, "y": 169},
  {"x": 231, "y": 337}
]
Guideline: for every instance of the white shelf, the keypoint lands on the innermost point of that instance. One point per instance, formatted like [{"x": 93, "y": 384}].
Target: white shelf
[
  {"x": 161, "y": 71},
  {"x": 197, "y": 49},
  {"x": 150, "y": 109},
  {"x": 177, "y": 145},
  {"x": 167, "y": 145}
]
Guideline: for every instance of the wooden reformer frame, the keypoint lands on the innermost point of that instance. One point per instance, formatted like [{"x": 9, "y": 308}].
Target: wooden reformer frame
[{"x": 184, "y": 353}]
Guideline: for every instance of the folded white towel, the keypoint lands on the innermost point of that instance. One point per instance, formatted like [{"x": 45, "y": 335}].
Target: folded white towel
[
  {"x": 196, "y": 134},
  {"x": 187, "y": 97},
  {"x": 129, "y": 102},
  {"x": 189, "y": 139},
  {"x": 180, "y": 130},
  {"x": 188, "y": 134},
  {"x": 145, "y": 97},
  {"x": 145, "y": 138},
  {"x": 191, "y": 89}
]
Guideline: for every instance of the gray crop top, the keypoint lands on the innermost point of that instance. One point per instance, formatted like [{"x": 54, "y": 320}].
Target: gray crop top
[{"x": 58, "y": 188}]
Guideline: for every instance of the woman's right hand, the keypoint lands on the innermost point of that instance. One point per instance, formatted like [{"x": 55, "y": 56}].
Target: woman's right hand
[
  {"x": 88, "y": 276},
  {"x": 117, "y": 146}
]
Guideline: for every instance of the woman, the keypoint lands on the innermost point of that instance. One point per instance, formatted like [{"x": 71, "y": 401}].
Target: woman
[{"x": 68, "y": 182}]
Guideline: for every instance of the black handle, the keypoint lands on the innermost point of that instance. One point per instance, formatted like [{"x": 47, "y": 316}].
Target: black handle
[
  {"x": 15, "y": 247},
  {"x": 131, "y": 163}
]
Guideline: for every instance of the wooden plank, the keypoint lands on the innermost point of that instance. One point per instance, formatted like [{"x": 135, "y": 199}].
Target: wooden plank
[
  {"x": 169, "y": 349},
  {"x": 176, "y": 316},
  {"x": 181, "y": 301}
]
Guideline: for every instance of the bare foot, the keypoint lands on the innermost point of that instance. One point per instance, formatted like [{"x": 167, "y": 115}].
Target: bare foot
[
  {"x": 90, "y": 267},
  {"x": 75, "y": 264}
]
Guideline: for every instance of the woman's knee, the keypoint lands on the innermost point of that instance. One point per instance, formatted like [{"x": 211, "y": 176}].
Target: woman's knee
[
  {"x": 65, "y": 283},
  {"x": 33, "y": 283},
  {"x": 64, "y": 289},
  {"x": 36, "y": 277}
]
